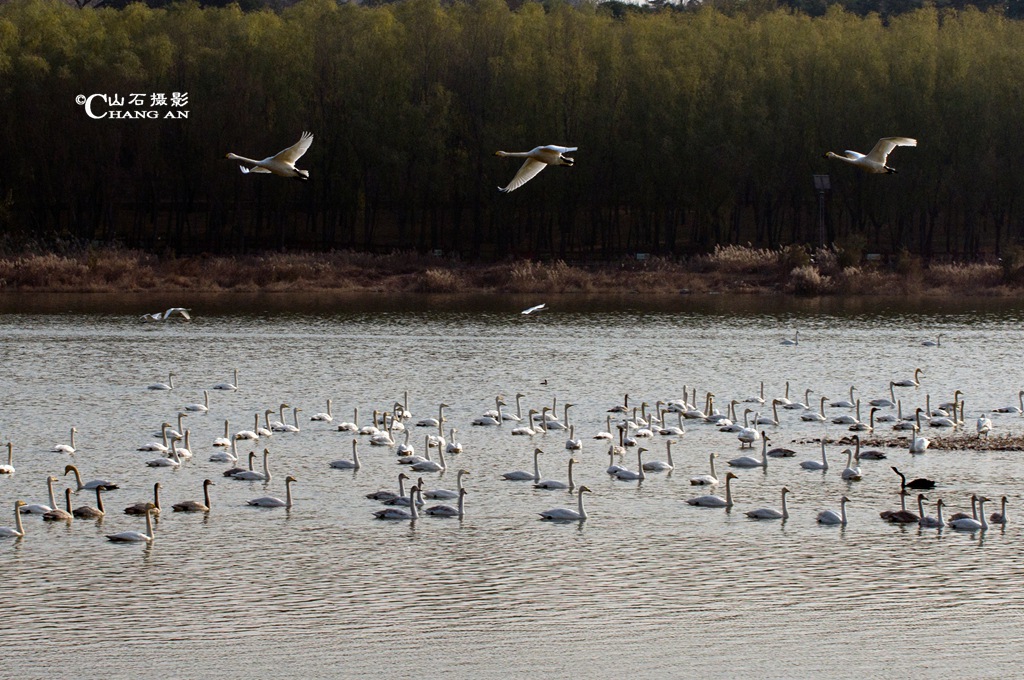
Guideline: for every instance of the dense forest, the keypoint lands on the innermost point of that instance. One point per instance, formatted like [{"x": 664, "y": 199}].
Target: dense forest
[{"x": 694, "y": 128}]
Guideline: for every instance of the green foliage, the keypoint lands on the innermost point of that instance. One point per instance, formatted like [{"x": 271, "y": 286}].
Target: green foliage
[{"x": 697, "y": 126}]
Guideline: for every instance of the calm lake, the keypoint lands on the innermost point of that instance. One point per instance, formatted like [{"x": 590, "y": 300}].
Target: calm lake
[{"x": 648, "y": 586}]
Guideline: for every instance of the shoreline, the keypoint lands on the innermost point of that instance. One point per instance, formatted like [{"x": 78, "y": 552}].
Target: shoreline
[{"x": 733, "y": 270}]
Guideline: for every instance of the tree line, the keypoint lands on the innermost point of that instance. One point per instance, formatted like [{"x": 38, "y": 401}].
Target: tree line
[{"x": 694, "y": 128}]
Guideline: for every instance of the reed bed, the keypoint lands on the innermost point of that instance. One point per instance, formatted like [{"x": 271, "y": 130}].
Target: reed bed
[{"x": 729, "y": 269}]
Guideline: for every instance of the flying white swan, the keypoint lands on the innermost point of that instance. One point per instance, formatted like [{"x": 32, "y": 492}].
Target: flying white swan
[
  {"x": 536, "y": 160},
  {"x": 444, "y": 510},
  {"x": 136, "y": 536},
  {"x": 535, "y": 308},
  {"x": 281, "y": 163},
  {"x": 565, "y": 514},
  {"x": 706, "y": 480},
  {"x": 523, "y": 475},
  {"x": 771, "y": 513},
  {"x": 711, "y": 501},
  {"x": 875, "y": 160},
  {"x": 231, "y": 386},
  {"x": 19, "y": 530},
  {"x": 39, "y": 508},
  {"x": 252, "y": 475},
  {"x": 9, "y": 468},
  {"x": 326, "y": 417},
  {"x": 140, "y": 508},
  {"x": 167, "y": 314},
  {"x": 95, "y": 483},
  {"x": 344, "y": 464},
  {"x": 196, "y": 506},
  {"x": 833, "y": 517},
  {"x": 273, "y": 501},
  {"x": 169, "y": 385},
  {"x": 202, "y": 408}
]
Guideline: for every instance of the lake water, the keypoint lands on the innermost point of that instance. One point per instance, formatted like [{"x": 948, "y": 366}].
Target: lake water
[{"x": 648, "y": 586}]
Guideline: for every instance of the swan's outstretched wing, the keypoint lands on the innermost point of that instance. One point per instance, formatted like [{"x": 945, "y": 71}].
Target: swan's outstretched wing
[
  {"x": 560, "y": 149},
  {"x": 535, "y": 308},
  {"x": 885, "y": 146},
  {"x": 295, "y": 151},
  {"x": 177, "y": 310},
  {"x": 529, "y": 170}
]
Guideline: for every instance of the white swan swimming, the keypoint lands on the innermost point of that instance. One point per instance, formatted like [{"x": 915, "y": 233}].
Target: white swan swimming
[
  {"x": 573, "y": 443},
  {"x": 526, "y": 429},
  {"x": 384, "y": 495},
  {"x": 1012, "y": 409},
  {"x": 833, "y": 517},
  {"x": 66, "y": 448},
  {"x": 136, "y": 536},
  {"x": 661, "y": 465},
  {"x": 226, "y": 456},
  {"x": 163, "y": 447},
  {"x": 536, "y": 160},
  {"x": 282, "y": 163},
  {"x": 995, "y": 517},
  {"x": 875, "y": 160},
  {"x": 937, "y": 342},
  {"x": 907, "y": 382},
  {"x": 433, "y": 422},
  {"x": 792, "y": 342},
  {"x": 565, "y": 514},
  {"x": 814, "y": 464},
  {"x": 771, "y": 513},
  {"x": 8, "y": 469},
  {"x": 750, "y": 461},
  {"x": 634, "y": 475},
  {"x": 919, "y": 444},
  {"x": 169, "y": 385},
  {"x": 971, "y": 524},
  {"x": 39, "y": 508},
  {"x": 524, "y": 476},
  {"x": 844, "y": 403},
  {"x": 174, "y": 461},
  {"x": 185, "y": 452},
  {"x": 252, "y": 434},
  {"x": 93, "y": 484},
  {"x": 929, "y": 522},
  {"x": 325, "y": 417},
  {"x": 712, "y": 501},
  {"x": 706, "y": 480},
  {"x": 252, "y": 475},
  {"x": 344, "y": 464},
  {"x": 19, "y": 530},
  {"x": 273, "y": 501},
  {"x": 201, "y": 408},
  {"x": 453, "y": 446},
  {"x": 850, "y": 473},
  {"x": 445, "y": 493},
  {"x": 883, "y": 402},
  {"x": 398, "y": 513},
  {"x": 431, "y": 465},
  {"x": 354, "y": 425},
  {"x": 815, "y": 416},
  {"x": 140, "y": 508},
  {"x": 444, "y": 510},
  {"x": 231, "y": 386},
  {"x": 196, "y": 506},
  {"x": 555, "y": 484}
]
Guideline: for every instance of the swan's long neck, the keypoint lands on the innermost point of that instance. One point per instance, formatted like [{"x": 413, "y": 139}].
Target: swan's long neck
[
  {"x": 10, "y": 454},
  {"x": 53, "y": 501},
  {"x": 582, "y": 510},
  {"x": 412, "y": 502},
  {"x": 728, "y": 492},
  {"x": 287, "y": 494},
  {"x": 512, "y": 154},
  {"x": 640, "y": 464},
  {"x": 842, "y": 511},
  {"x": 668, "y": 452},
  {"x": 938, "y": 512},
  {"x": 149, "y": 523},
  {"x": 206, "y": 496},
  {"x": 920, "y": 506},
  {"x": 462, "y": 502},
  {"x": 156, "y": 495},
  {"x": 572, "y": 485},
  {"x": 401, "y": 485},
  {"x": 981, "y": 513},
  {"x": 440, "y": 454},
  {"x": 355, "y": 453},
  {"x": 536, "y": 466},
  {"x": 99, "y": 500},
  {"x": 824, "y": 460},
  {"x": 67, "y": 499},
  {"x": 235, "y": 372},
  {"x": 764, "y": 453},
  {"x": 712, "y": 460},
  {"x": 785, "y": 510},
  {"x": 266, "y": 468}
]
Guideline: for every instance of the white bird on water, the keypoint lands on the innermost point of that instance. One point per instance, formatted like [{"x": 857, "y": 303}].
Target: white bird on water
[
  {"x": 281, "y": 163},
  {"x": 536, "y": 160},
  {"x": 535, "y": 308},
  {"x": 165, "y": 315},
  {"x": 875, "y": 160}
]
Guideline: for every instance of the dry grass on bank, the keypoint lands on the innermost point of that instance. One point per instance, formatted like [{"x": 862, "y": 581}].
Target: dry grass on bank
[{"x": 734, "y": 269}]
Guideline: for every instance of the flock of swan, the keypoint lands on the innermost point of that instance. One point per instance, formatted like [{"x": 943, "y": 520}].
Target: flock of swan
[
  {"x": 630, "y": 429},
  {"x": 283, "y": 162}
]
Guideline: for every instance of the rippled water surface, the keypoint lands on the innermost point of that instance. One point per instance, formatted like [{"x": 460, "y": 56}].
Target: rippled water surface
[{"x": 648, "y": 586}]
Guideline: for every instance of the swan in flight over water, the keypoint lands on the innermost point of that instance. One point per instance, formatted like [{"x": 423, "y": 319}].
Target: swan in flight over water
[
  {"x": 164, "y": 316},
  {"x": 535, "y": 308},
  {"x": 875, "y": 160},
  {"x": 281, "y": 163},
  {"x": 536, "y": 160}
]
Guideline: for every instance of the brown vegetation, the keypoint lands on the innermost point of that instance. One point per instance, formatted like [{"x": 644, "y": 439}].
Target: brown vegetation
[{"x": 734, "y": 269}]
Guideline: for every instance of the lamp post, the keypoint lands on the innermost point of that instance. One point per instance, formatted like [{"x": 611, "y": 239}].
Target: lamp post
[{"x": 822, "y": 184}]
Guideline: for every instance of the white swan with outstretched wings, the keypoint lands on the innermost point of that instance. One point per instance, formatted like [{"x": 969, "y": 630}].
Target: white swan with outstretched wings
[
  {"x": 282, "y": 163},
  {"x": 536, "y": 160},
  {"x": 875, "y": 160}
]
